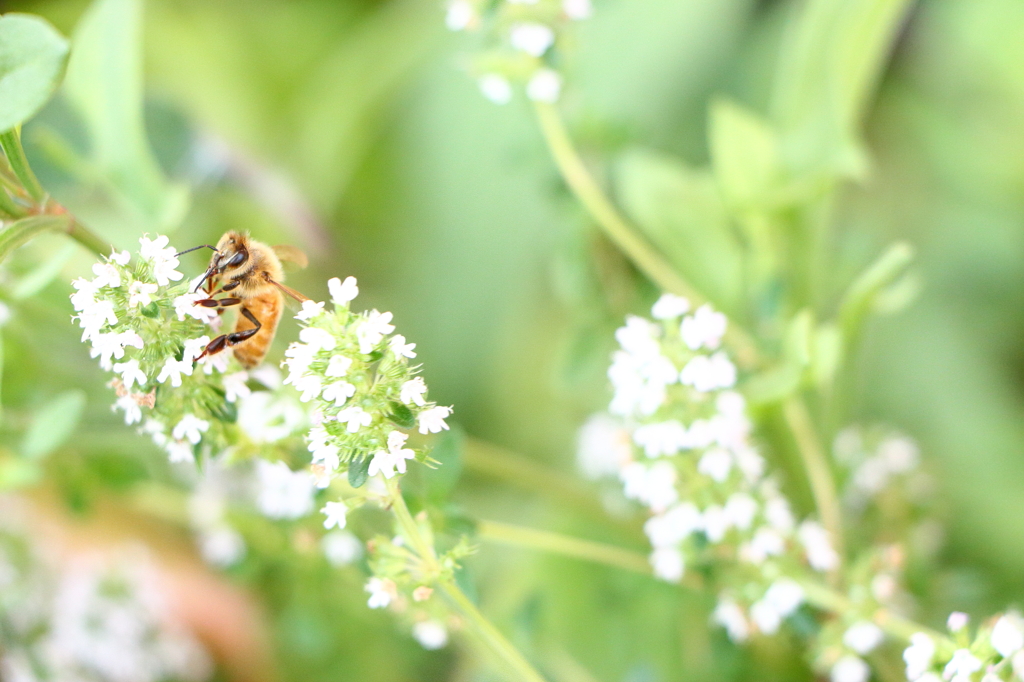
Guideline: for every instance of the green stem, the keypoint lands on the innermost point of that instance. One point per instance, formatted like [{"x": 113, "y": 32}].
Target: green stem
[
  {"x": 87, "y": 238},
  {"x": 645, "y": 257},
  {"x": 483, "y": 628},
  {"x": 8, "y": 207},
  {"x": 26, "y": 229},
  {"x": 11, "y": 144},
  {"x": 816, "y": 464}
]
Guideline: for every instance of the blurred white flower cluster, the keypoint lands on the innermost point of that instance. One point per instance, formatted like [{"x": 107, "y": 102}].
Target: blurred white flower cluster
[
  {"x": 521, "y": 38},
  {"x": 88, "y": 620},
  {"x": 996, "y": 652},
  {"x": 678, "y": 438}
]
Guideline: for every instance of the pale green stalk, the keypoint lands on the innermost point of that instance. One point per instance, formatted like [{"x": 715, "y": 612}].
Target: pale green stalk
[
  {"x": 475, "y": 621},
  {"x": 11, "y": 143}
]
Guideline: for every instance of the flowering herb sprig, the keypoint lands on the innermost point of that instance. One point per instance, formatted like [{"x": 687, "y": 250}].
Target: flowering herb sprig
[{"x": 520, "y": 42}]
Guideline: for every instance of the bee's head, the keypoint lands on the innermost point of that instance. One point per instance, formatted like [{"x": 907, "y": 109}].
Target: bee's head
[{"x": 232, "y": 253}]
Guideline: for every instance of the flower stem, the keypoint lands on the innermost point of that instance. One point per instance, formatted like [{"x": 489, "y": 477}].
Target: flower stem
[
  {"x": 477, "y": 622},
  {"x": 816, "y": 464},
  {"x": 11, "y": 144},
  {"x": 642, "y": 254}
]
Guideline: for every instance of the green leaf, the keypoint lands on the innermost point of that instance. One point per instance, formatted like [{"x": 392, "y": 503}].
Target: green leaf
[
  {"x": 33, "y": 56},
  {"x": 862, "y": 294},
  {"x": 402, "y": 415},
  {"x": 828, "y": 354},
  {"x": 53, "y": 424},
  {"x": 358, "y": 471},
  {"x": 744, "y": 154},
  {"x": 151, "y": 309},
  {"x": 41, "y": 276},
  {"x": 782, "y": 380},
  {"x": 104, "y": 84},
  {"x": 679, "y": 209}
]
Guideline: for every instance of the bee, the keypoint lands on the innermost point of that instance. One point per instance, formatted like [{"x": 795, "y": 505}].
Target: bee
[{"x": 250, "y": 273}]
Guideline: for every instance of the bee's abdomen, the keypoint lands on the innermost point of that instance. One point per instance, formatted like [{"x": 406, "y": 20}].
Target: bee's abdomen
[{"x": 267, "y": 309}]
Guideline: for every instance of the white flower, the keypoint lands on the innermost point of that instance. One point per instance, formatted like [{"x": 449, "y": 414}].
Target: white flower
[
  {"x": 820, "y": 554},
  {"x": 919, "y": 655},
  {"x": 674, "y": 526},
  {"x": 900, "y": 454},
  {"x": 221, "y": 546},
  {"x": 1007, "y": 636},
  {"x": 186, "y": 305},
  {"x": 577, "y": 9},
  {"x": 107, "y": 275},
  {"x": 235, "y": 386},
  {"x": 863, "y": 637},
  {"x": 668, "y": 564},
  {"x": 120, "y": 258},
  {"x": 531, "y": 38},
  {"x": 339, "y": 392},
  {"x": 544, "y": 86},
  {"x": 338, "y": 366},
  {"x": 310, "y": 309},
  {"x": 781, "y": 599},
  {"x": 132, "y": 411},
  {"x": 654, "y": 486},
  {"x": 283, "y": 493},
  {"x": 430, "y": 634},
  {"x": 131, "y": 374},
  {"x": 731, "y": 617},
  {"x": 603, "y": 446},
  {"x": 335, "y": 513},
  {"x": 155, "y": 249},
  {"x": 85, "y": 293},
  {"x": 111, "y": 345},
  {"x": 173, "y": 369},
  {"x": 716, "y": 523},
  {"x": 704, "y": 328},
  {"x": 496, "y": 88},
  {"x": 299, "y": 357},
  {"x": 740, "y": 508},
  {"x": 372, "y": 330},
  {"x": 382, "y": 591},
  {"x": 850, "y": 669},
  {"x": 765, "y": 543},
  {"x": 164, "y": 272},
  {"x": 459, "y": 15},
  {"x": 354, "y": 418},
  {"x": 661, "y": 438},
  {"x": 194, "y": 348},
  {"x": 94, "y": 316},
  {"x": 963, "y": 663},
  {"x": 709, "y": 373},
  {"x": 716, "y": 464},
  {"x": 777, "y": 511},
  {"x": 669, "y": 307},
  {"x": 957, "y": 621},
  {"x": 310, "y": 385},
  {"x": 412, "y": 391},
  {"x": 178, "y": 451},
  {"x": 400, "y": 348},
  {"x": 318, "y": 339},
  {"x": 387, "y": 461},
  {"x": 432, "y": 420},
  {"x": 139, "y": 293},
  {"x": 341, "y": 547},
  {"x": 342, "y": 292},
  {"x": 190, "y": 428}
]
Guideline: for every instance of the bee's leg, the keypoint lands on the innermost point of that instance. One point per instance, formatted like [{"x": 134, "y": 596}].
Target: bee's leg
[
  {"x": 218, "y": 302},
  {"x": 234, "y": 338}
]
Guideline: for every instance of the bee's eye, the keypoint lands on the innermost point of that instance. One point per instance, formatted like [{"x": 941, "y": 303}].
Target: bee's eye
[{"x": 237, "y": 259}]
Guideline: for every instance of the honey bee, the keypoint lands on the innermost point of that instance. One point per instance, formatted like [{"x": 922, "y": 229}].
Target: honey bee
[{"x": 251, "y": 272}]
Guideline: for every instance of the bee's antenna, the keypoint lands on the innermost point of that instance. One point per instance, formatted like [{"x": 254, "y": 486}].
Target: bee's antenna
[{"x": 196, "y": 248}]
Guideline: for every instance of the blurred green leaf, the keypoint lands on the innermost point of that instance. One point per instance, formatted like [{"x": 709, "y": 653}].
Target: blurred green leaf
[
  {"x": 53, "y": 424},
  {"x": 828, "y": 353},
  {"x": 861, "y": 295},
  {"x": 680, "y": 211},
  {"x": 41, "y": 276},
  {"x": 104, "y": 83},
  {"x": 831, "y": 59},
  {"x": 782, "y": 380},
  {"x": 745, "y": 155},
  {"x": 32, "y": 60},
  {"x": 358, "y": 471}
]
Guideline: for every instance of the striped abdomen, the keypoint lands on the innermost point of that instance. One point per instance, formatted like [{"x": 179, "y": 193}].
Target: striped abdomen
[{"x": 265, "y": 307}]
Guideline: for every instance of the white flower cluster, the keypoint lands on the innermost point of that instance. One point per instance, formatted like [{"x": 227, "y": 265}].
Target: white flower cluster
[
  {"x": 363, "y": 390},
  {"x": 89, "y": 619},
  {"x": 150, "y": 332},
  {"x": 524, "y": 34},
  {"x": 878, "y": 460},
  {"x": 996, "y": 653},
  {"x": 682, "y": 448}
]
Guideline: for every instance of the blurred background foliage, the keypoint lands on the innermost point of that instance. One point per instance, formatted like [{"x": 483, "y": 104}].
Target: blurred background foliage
[{"x": 348, "y": 129}]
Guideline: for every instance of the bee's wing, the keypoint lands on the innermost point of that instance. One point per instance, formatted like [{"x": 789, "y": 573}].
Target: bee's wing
[
  {"x": 288, "y": 290},
  {"x": 291, "y": 254}
]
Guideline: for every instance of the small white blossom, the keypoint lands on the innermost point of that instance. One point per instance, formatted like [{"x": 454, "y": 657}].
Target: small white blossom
[
  {"x": 335, "y": 513},
  {"x": 283, "y": 493},
  {"x": 338, "y": 366},
  {"x": 190, "y": 428},
  {"x": 310, "y": 309},
  {"x": 544, "y": 86},
  {"x": 863, "y": 637},
  {"x": 432, "y": 420},
  {"x": 653, "y": 486},
  {"x": 400, "y": 348},
  {"x": 709, "y": 373},
  {"x": 532, "y": 38},
  {"x": 235, "y": 386},
  {"x": 387, "y": 461},
  {"x": 342, "y": 293},
  {"x": 107, "y": 275},
  {"x": 412, "y": 391},
  {"x": 957, "y": 621},
  {"x": 815, "y": 540},
  {"x": 339, "y": 392},
  {"x": 603, "y": 446},
  {"x": 704, "y": 328},
  {"x": 716, "y": 523},
  {"x": 373, "y": 330},
  {"x": 173, "y": 369},
  {"x": 496, "y": 88},
  {"x": 382, "y": 591},
  {"x": 459, "y": 15},
  {"x": 318, "y": 339},
  {"x": 669, "y": 307},
  {"x": 140, "y": 293},
  {"x": 194, "y": 348},
  {"x": 577, "y": 9},
  {"x": 674, "y": 526},
  {"x": 731, "y": 617},
  {"x": 131, "y": 374},
  {"x": 740, "y": 508},
  {"x": 354, "y": 418},
  {"x": 919, "y": 655},
  {"x": 310, "y": 386},
  {"x": 963, "y": 663},
  {"x": 850, "y": 669},
  {"x": 179, "y": 451},
  {"x": 1008, "y": 636},
  {"x": 341, "y": 547},
  {"x": 430, "y": 634},
  {"x": 221, "y": 546},
  {"x": 668, "y": 564},
  {"x": 716, "y": 464},
  {"x": 131, "y": 409},
  {"x": 120, "y": 258},
  {"x": 661, "y": 438},
  {"x": 155, "y": 249},
  {"x": 186, "y": 305}
]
